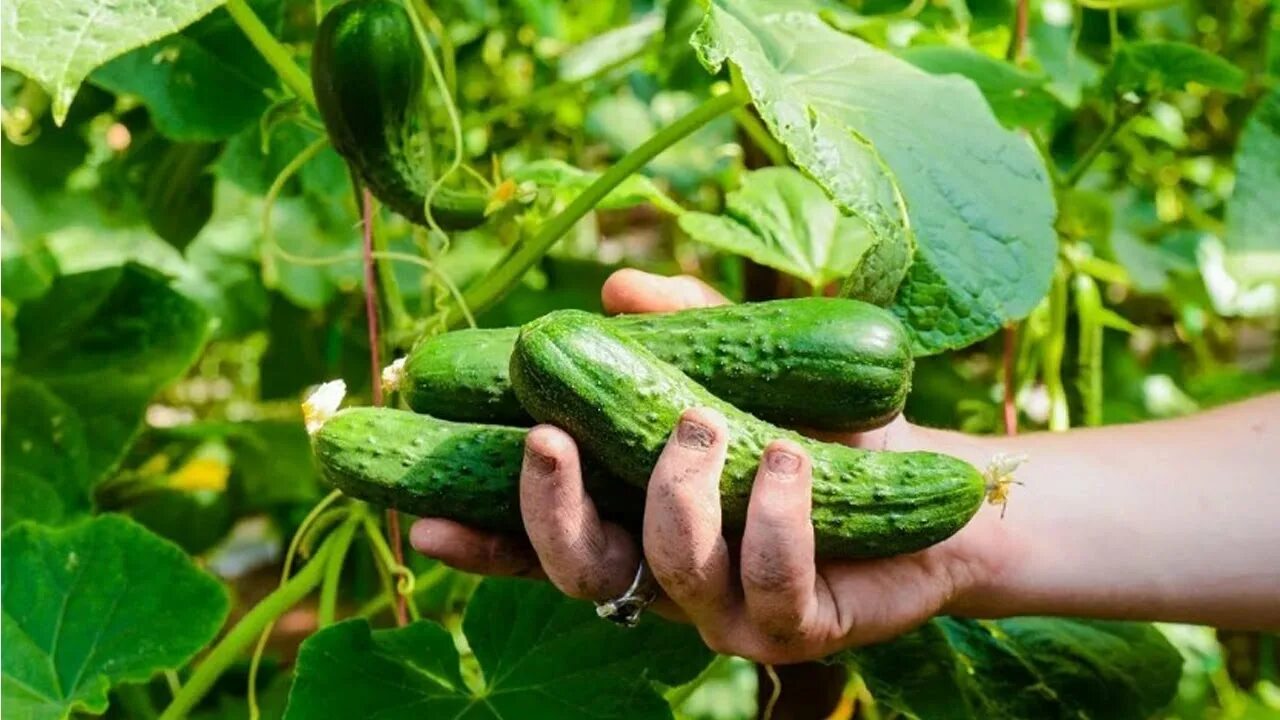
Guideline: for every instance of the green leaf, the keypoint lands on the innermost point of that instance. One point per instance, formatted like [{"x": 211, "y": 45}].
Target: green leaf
[
  {"x": 93, "y": 605},
  {"x": 1251, "y": 243},
  {"x": 1023, "y": 668},
  {"x": 881, "y": 135},
  {"x": 59, "y": 42},
  {"x": 204, "y": 83},
  {"x": 1150, "y": 67},
  {"x": 1017, "y": 97},
  {"x": 784, "y": 220},
  {"x": 567, "y": 181},
  {"x": 541, "y": 656},
  {"x": 607, "y": 48},
  {"x": 94, "y": 349},
  {"x": 27, "y": 268}
]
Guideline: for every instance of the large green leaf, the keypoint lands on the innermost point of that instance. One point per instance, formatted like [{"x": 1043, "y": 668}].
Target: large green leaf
[
  {"x": 204, "y": 83},
  {"x": 782, "y": 219},
  {"x": 1252, "y": 239},
  {"x": 881, "y": 135},
  {"x": 1152, "y": 66},
  {"x": 59, "y": 42},
  {"x": 1042, "y": 668},
  {"x": 94, "y": 349},
  {"x": 96, "y": 604},
  {"x": 541, "y": 656},
  {"x": 1018, "y": 97}
]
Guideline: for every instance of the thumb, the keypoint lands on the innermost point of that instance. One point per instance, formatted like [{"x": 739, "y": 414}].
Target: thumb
[{"x": 635, "y": 291}]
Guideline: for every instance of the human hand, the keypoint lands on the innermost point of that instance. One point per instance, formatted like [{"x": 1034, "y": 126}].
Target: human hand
[{"x": 767, "y": 599}]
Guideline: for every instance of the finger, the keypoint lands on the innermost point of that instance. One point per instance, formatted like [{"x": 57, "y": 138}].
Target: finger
[
  {"x": 475, "y": 551},
  {"x": 581, "y": 555},
  {"x": 682, "y": 539},
  {"x": 635, "y": 291},
  {"x": 777, "y": 565}
]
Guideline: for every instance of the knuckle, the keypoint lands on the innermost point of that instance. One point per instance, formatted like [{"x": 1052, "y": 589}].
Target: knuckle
[{"x": 763, "y": 574}]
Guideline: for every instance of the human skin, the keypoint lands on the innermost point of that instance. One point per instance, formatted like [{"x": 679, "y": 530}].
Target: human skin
[{"x": 1172, "y": 521}]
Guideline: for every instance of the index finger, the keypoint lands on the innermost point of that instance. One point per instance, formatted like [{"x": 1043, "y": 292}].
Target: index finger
[{"x": 636, "y": 291}]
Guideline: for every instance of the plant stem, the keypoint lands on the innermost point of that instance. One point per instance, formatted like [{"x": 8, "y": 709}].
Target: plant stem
[
  {"x": 371, "y": 285},
  {"x": 1055, "y": 347},
  {"x": 388, "y": 286},
  {"x": 276, "y": 55},
  {"x": 326, "y": 610},
  {"x": 1019, "y": 40},
  {"x": 503, "y": 276},
  {"x": 246, "y": 631},
  {"x": 759, "y": 135},
  {"x": 371, "y": 294},
  {"x": 1010, "y": 382},
  {"x": 1109, "y": 132}
]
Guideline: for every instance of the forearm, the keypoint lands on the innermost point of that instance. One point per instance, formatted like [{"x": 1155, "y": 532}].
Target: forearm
[{"x": 1172, "y": 520}]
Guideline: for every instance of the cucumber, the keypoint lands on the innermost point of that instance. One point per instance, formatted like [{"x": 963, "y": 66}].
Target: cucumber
[
  {"x": 368, "y": 73},
  {"x": 824, "y": 363},
  {"x": 435, "y": 468},
  {"x": 620, "y": 402}
]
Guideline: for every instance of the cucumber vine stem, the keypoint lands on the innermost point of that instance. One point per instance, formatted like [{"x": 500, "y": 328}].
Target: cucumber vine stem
[
  {"x": 230, "y": 647},
  {"x": 276, "y": 55},
  {"x": 508, "y": 271}
]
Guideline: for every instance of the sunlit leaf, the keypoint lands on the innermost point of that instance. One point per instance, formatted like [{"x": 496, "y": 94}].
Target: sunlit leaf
[
  {"x": 883, "y": 138},
  {"x": 59, "y": 42},
  {"x": 784, "y": 220}
]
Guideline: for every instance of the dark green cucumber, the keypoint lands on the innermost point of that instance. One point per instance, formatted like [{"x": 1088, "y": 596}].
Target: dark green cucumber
[
  {"x": 620, "y": 402},
  {"x": 825, "y": 363},
  {"x": 368, "y": 73},
  {"x": 428, "y": 467}
]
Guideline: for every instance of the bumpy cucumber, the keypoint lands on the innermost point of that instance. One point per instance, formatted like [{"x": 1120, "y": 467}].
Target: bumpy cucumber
[
  {"x": 368, "y": 73},
  {"x": 428, "y": 467},
  {"x": 826, "y": 363},
  {"x": 620, "y": 402}
]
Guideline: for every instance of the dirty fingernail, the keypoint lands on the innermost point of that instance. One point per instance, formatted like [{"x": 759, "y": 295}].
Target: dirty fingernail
[
  {"x": 694, "y": 435},
  {"x": 537, "y": 462},
  {"x": 782, "y": 462}
]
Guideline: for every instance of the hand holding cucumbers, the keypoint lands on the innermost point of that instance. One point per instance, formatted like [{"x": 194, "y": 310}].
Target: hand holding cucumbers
[{"x": 786, "y": 498}]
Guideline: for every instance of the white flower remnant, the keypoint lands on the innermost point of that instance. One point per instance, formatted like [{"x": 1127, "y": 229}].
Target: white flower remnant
[
  {"x": 322, "y": 404},
  {"x": 1000, "y": 480},
  {"x": 392, "y": 375}
]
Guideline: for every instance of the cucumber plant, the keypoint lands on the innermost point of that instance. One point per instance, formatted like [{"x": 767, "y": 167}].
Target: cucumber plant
[{"x": 1032, "y": 215}]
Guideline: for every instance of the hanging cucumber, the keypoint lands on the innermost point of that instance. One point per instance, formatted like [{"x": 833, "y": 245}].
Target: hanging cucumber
[
  {"x": 824, "y": 363},
  {"x": 368, "y": 72},
  {"x": 620, "y": 403}
]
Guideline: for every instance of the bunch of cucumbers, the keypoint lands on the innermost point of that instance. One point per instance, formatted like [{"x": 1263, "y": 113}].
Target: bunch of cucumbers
[{"x": 619, "y": 385}]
